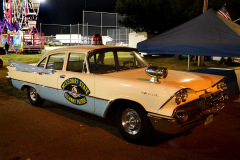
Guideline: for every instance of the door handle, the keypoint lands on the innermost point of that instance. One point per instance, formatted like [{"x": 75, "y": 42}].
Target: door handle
[{"x": 62, "y": 76}]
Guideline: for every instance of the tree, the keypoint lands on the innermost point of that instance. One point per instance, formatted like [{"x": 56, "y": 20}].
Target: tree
[{"x": 157, "y": 16}]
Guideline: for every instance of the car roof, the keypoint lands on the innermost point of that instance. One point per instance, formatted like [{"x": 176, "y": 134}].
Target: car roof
[{"x": 86, "y": 48}]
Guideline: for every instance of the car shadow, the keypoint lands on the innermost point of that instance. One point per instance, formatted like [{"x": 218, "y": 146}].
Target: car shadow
[
  {"x": 158, "y": 138},
  {"x": 80, "y": 116},
  {"x": 109, "y": 126}
]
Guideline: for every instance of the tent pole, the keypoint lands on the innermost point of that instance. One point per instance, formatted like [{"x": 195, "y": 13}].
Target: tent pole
[{"x": 188, "y": 62}]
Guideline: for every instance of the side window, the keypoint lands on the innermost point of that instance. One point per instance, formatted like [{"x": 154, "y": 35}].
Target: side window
[
  {"x": 56, "y": 61},
  {"x": 42, "y": 64},
  {"x": 76, "y": 62},
  {"x": 103, "y": 62},
  {"x": 127, "y": 60}
]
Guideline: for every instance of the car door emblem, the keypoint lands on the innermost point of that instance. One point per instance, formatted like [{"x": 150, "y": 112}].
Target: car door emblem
[{"x": 75, "y": 91}]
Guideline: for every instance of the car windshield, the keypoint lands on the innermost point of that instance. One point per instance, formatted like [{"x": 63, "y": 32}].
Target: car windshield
[{"x": 103, "y": 61}]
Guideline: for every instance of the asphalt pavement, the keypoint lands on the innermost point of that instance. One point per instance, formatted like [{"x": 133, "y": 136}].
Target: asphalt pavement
[{"x": 55, "y": 132}]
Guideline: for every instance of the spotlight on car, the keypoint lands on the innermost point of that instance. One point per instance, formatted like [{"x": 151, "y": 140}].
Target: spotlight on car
[{"x": 156, "y": 73}]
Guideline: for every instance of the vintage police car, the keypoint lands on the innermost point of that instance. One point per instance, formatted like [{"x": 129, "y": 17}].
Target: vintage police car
[{"x": 116, "y": 82}]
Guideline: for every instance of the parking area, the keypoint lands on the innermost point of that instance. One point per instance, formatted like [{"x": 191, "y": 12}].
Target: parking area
[{"x": 58, "y": 132}]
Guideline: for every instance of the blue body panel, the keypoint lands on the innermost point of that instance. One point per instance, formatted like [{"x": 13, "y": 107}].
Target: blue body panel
[
  {"x": 94, "y": 106},
  {"x": 87, "y": 107},
  {"x": 100, "y": 107}
]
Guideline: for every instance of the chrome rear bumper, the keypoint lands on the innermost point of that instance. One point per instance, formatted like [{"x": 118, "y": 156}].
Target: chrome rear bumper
[{"x": 9, "y": 80}]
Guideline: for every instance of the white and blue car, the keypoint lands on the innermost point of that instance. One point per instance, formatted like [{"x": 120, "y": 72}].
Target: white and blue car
[{"x": 116, "y": 82}]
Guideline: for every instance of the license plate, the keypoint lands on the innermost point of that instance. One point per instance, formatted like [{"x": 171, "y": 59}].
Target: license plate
[{"x": 208, "y": 120}]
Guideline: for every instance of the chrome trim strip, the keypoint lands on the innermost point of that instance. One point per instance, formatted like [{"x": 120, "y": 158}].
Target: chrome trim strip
[
  {"x": 223, "y": 79},
  {"x": 107, "y": 108},
  {"x": 34, "y": 84},
  {"x": 174, "y": 95},
  {"x": 61, "y": 90},
  {"x": 150, "y": 114},
  {"x": 219, "y": 81}
]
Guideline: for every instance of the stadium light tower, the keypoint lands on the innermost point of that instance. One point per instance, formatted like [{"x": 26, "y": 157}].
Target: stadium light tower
[{"x": 40, "y": 26}]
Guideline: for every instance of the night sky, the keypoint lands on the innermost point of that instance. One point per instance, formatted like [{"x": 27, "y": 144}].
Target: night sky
[{"x": 70, "y": 11}]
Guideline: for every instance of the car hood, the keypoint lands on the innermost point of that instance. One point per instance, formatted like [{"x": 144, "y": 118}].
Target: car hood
[{"x": 195, "y": 81}]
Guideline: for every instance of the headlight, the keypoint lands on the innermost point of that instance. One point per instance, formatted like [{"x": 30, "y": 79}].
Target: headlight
[
  {"x": 178, "y": 98},
  {"x": 184, "y": 95},
  {"x": 221, "y": 85},
  {"x": 181, "y": 96}
]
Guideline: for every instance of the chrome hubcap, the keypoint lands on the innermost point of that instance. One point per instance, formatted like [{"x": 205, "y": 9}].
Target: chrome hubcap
[
  {"x": 131, "y": 121},
  {"x": 33, "y": 94}
]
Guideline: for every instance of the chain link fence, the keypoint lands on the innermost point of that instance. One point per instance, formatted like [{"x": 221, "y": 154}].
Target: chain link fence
[
  {"x": 119, "y": 36},
  {"x": 65, "y": 34},
  {"x": 106, "y": 24}
]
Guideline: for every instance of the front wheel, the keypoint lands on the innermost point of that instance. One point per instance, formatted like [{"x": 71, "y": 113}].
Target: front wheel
[
  {"x": 34, "y": 97},
  {"x": 133, "y": 123}
]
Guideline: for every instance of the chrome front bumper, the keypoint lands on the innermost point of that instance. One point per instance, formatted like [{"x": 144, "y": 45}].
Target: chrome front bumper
[{"x": 199, "y": 112}]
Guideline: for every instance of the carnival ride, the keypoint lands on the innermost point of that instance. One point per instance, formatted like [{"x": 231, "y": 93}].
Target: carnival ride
[{"x": 19, "y": 26}]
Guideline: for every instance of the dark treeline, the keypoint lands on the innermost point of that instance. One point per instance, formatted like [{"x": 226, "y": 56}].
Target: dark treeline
[{"x": 157, "y": 16}]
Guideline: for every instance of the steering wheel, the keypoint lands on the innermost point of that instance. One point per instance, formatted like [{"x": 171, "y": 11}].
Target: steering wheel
[{"x": 127, "y": 62}]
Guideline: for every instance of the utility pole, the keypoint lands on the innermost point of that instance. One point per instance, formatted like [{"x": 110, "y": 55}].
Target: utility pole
[{"x": 205, "y": 8}]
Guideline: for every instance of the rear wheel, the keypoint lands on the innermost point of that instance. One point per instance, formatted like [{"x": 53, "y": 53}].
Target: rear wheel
[
  {"x": 133, "y": 123},
  {"x": 34, "y": 97}
]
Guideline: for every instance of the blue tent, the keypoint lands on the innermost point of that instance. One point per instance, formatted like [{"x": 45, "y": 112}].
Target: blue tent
[{"x": 206, "y": 35}]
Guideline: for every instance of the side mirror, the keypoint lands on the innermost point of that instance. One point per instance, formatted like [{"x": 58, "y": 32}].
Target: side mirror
[{"x": 156, "y": 73}]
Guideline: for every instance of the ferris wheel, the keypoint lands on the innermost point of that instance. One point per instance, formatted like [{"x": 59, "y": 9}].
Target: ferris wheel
[{"x": 20, "y": 14}]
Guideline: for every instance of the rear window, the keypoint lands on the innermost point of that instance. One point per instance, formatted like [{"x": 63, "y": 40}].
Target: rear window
[{"x": 56, "y": 61}]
